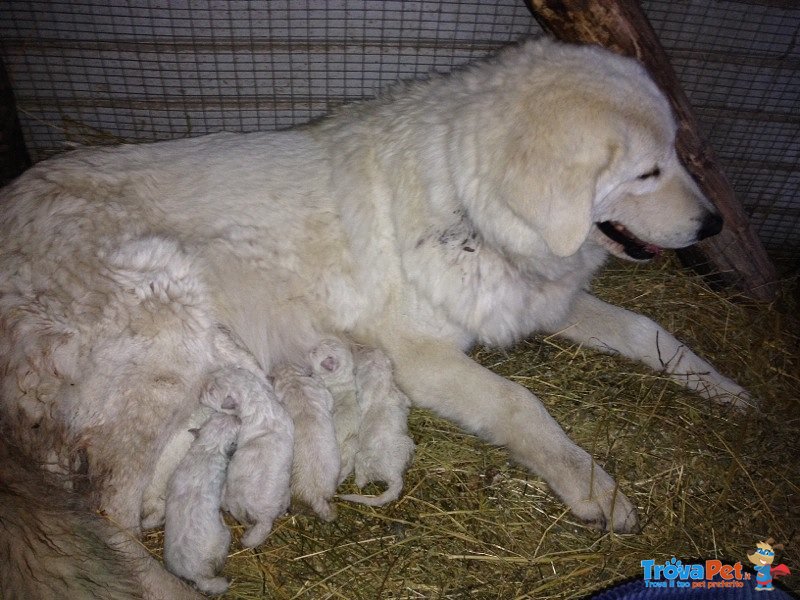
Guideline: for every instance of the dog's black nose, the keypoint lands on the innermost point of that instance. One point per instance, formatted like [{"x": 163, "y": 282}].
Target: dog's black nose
[{"x": 712, "y": 225}]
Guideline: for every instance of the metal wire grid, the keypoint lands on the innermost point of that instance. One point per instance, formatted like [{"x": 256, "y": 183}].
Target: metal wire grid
[
  {"x": 95, "y": 71},
  {"x": 92, "y": 71},
  {"x": 740, "y": 65}
]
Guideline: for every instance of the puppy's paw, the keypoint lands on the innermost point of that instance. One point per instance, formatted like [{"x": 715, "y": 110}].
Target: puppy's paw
[
  {"x": 256, "y": 535},
  {"x": 213, "y": 586},
  {"x": 325, "y": 511},
  {"x": 153, "y": 515}
]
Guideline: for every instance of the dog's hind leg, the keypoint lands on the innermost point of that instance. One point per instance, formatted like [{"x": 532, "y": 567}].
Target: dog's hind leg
[
  {"x": 614, "y": 330},
  {"x": 440, "y": 377},
  {"x": 53, "y": 546}
]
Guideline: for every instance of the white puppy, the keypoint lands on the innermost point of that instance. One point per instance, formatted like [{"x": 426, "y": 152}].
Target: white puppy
[
  {"x": 332, "y": 361},
  {"x": 196, "y": 539},
  {"x": 154, "y": 500},
  {"x": 384, "y": 447},
  {"x": 315, "y": 470},
  {"x": 257, "y": 488}
]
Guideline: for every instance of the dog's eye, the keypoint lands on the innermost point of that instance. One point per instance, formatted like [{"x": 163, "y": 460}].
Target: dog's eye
[{"x": 654, "y": 172}]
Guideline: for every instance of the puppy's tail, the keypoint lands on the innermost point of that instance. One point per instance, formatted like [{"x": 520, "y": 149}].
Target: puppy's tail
[
  {"x": 53, "y": 546},
  {"x": 391, "y": 494}
]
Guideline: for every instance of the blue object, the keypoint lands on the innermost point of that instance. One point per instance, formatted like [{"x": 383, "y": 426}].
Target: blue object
[{"x": 636, "y": 590}]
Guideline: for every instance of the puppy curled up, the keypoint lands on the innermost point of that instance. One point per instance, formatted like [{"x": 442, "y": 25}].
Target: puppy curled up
[
  {"x": 332, "y": 361},
  {"x": 196, "y": 539},
  {"x": 257, "y": 487},
  {"x": 154, "y": 498},
  {"x": 315, "y": 470},
  {"x": 384, "y": 447}
]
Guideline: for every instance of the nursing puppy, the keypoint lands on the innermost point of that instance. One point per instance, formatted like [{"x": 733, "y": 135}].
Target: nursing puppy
[
  {"x": 316, "y": 465},
  {"x": 470, "y": 208},
  {"x": 154, "y": 499},
  {"x": 257, "y": 489},
  {"x": 196, "y": 539},
  {"x": 384, "y": 447},
  {"x": 332, "y": 361}
]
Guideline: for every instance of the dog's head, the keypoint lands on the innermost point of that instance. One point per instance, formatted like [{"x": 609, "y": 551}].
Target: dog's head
[{"x": 590, "y": 155}]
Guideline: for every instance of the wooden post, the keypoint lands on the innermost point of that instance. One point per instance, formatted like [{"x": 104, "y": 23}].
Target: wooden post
[
  {"x": 736, "y": 256},
  {"x": 14, "y": 157}
]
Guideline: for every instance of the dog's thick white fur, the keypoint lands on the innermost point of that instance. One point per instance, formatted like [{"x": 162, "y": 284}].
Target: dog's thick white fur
[
  {"x": 468, "y": 208},
  {"x": 332, "y": 361},
  {"x": 256, "y": 489},
  {"x": 384, "y": 447},
  {"x": 316, "y": 465},
  {"x": 196, "y": 539}
]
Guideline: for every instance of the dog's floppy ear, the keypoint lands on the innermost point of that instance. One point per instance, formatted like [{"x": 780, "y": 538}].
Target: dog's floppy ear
[
  {"x": 563, "y": 196},
  {"x": 553, "y": 168}
]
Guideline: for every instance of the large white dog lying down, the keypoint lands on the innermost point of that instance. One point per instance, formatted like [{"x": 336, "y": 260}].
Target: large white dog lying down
[{"x": 468, "y": 208}]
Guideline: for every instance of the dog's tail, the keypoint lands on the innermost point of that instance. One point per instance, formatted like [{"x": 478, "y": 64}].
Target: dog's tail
[
  {"x": 391, "y": 494},
  {"x": 53, "y": 546}
]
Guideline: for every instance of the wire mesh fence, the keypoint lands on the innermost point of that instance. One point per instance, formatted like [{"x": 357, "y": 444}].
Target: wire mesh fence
[{"x": 92, "y": 71}]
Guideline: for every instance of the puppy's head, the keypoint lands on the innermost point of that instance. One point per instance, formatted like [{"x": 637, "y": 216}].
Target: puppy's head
[{"x": 589, "y": 154}]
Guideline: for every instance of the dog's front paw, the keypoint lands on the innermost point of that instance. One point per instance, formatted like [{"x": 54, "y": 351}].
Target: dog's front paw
[
  {"x": 719, "y": 389},
  {"x": 609, "y": 511},
  {"x": 731, "y": 394},
  {"x": 595, "y": 498}
]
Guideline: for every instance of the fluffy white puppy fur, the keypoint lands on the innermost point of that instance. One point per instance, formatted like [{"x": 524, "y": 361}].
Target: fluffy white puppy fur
[
  {"x": 384, "y": 447},
  {"x": 316, "y": 465},
  {"x": 257, "y": 486},
  {"x": 332, "y": 361},
  {"x": 196, "y": 539},
  {"x": 467, "y": 208},
  {"x": 154, "y": 499}
]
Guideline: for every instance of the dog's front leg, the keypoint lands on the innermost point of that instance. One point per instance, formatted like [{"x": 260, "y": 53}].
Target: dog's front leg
[
  {"x": 615, "y": 330},
  {"x": 440, "y": 377}
]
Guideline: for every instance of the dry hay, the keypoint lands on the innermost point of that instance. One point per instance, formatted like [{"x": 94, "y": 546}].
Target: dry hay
[{"x": 709, "y": 483}]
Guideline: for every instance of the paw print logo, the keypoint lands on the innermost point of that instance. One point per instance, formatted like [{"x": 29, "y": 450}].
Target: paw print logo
[{"x": 672, "y": 569}]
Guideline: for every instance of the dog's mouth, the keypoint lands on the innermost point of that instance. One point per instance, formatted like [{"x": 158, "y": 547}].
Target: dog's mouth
[{"x": 631, "y": 245}]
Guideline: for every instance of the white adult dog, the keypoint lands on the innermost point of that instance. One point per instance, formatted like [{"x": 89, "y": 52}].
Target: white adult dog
[{"x": 468, "y": 208}]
